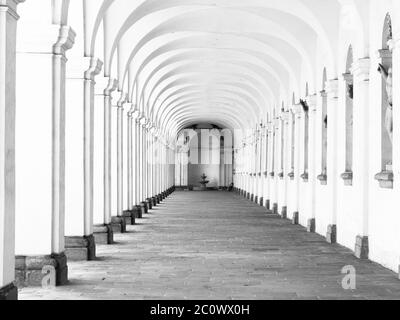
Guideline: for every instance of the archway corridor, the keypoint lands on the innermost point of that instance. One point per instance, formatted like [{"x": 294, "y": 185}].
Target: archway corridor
[
  {"x": 218, "y": 246},
  {"x": 249, "y": 147}
]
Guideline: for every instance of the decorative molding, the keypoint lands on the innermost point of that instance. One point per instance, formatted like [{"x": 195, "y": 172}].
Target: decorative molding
[
  {"x": 95, "y": 67},
  {"x": 111, "y": 87},
  {"x": 65, "y": 41}
]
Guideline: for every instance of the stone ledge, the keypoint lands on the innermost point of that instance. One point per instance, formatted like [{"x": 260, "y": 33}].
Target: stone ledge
[
  {"x": 28, "y": 269},
  {"x": 103, "y": 234},
  {"x": 80, "y": 248},
  {"x": 9, "y": 293}
]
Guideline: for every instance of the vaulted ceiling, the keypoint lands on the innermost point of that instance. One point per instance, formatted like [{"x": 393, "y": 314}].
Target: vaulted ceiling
[{"x": 228, "y": 62}]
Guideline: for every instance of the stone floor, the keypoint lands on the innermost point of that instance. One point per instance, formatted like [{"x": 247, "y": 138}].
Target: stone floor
[{"x": 216, "y": 245}]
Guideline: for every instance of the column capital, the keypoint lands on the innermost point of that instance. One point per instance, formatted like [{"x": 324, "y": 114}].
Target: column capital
[
  {"x": 65, "y": 41},
  {"x": 123, "y": 98},
  {"x": 361, "y": 69},
  {"x": 111, "y": 87},
  {"x": 10, "y": 6},
  {"x": 95, "y": 67}
]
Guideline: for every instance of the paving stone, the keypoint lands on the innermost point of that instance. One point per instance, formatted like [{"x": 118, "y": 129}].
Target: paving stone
[{"x": 217, "y": 245}]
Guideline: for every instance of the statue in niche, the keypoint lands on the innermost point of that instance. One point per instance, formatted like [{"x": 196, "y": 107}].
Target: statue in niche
[{"x": 387, "y": 75}]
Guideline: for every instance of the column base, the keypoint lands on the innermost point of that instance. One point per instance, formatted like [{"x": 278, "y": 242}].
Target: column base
[
  {"x": 362, "y": 248},
  {"x": 103, "y": 234},
  {"x": 295, "y": 218},
  {"x": 118, "y": 225},
  {"x": 149, "y": 203},
  {"x": 331, "y": 235},
  {"x": 9, "y": 293},
  {"x": 248, "y": 196},
  {"x": 158, "y": 199},
  {"x": 275, "y": 209},
  {"x": 28, "y": 269},
  {"x": 256, "y": 199},
  {"x": 268, "y": 204},
  {"x": 284, "y": 213},
  {"x": 261, "y": 202},
  {"x": 80, "y": 248},
  {"x": 129, "y": 218},
  {"x": 137, "y": 212},
  {"x": 311, "y": 225},
  {"x": 154, "y": 201},
  {"x": 144, "y": 207}
]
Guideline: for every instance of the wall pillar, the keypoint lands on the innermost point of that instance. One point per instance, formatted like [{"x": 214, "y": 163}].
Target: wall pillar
[
  {"x": 333, "y": 147},
  {"x": 313, "y": 163},
  {"x": 8, "y": 30},
  {"x": 79, "y": 240},
  {"x": 41, "y": 60},
  {"x": 103, "y": 232},
  {"x": 361, "y": 70}
]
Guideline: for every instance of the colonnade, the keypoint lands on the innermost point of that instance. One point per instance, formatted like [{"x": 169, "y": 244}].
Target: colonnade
[
  {"x": 93, "y": 95},
  {"x": 79, "y": 160}
]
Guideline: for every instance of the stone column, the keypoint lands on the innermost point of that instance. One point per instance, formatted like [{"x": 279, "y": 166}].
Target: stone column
[
  {"x": 79, "y": 240},
  {"x": 40, "y": 158},
  {"x": 118, "y": 221},
  {"x": 286, "y": 162},
  {"x": 298, "y": 110},
  {"x": 137, "y": 168},
  {"x": 102, "y": 230},
  {"x": 361, "y": 70},
  {"x": 8, "y": 30},
  {"x": 333, "y": 147},
  {"x": 274, "y": 165},
  {"x": 313, "y": 161}
]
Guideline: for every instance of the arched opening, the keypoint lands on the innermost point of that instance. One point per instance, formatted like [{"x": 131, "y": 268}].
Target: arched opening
[
  {"x": 347, "y": 176},
  {"x": 204, "y": 149},
  {"x": 323, "y": 177},
  {"x": 385, "y": 69}
]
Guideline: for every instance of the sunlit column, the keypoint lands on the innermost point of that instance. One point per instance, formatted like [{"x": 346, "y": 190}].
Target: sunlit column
[
  {"x": 333, "y": 147},
  {"x": 40, "y": 158},
  {"x": 361, "y": 72},
  {"x": 298, "y": 170},
  {"x": 313, "y": 169},
  {"x": 102, "y": 161},
  {"x": 8, "y": 25}
]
